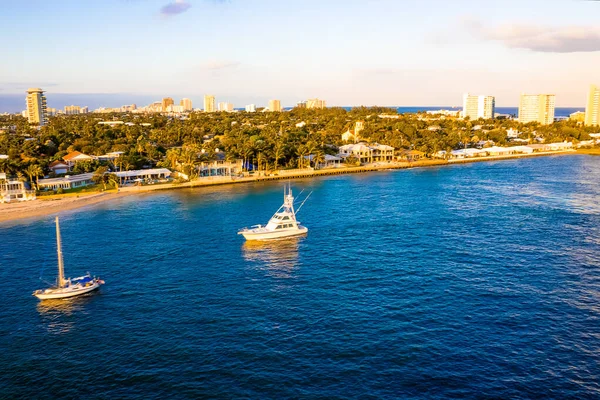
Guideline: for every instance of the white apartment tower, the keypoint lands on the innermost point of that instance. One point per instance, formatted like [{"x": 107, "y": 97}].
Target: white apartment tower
[
  {"x": 592, "y": 109},
  {"x": 476, "y": 107},
  {"x": 251, "y": 108},
  {"x": 225, "y": 106},
  {"x": 537, "y": 108},
  {"x": 316, "y": 103},
  {"x": 186, "y": 104},
  {"x": 275, "y": 105},
  {"x": 36, "y": 107},
  {"x": 210, "y": 103}
]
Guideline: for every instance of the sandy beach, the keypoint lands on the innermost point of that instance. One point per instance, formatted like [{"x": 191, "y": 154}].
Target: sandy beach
[{"x": 55, "y": 204}]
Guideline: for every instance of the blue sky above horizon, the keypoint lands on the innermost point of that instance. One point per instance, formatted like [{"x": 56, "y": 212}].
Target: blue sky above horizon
[{"x": 351, "y": 52}]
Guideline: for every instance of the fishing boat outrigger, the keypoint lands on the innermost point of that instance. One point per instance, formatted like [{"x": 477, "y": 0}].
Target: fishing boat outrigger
[
  {"x": 67, "y": 287},
  {"x": 282, "y": 224}
]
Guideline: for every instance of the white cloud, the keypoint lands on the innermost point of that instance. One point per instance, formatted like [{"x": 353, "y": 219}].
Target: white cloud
[{"x": 546, "y": 39}]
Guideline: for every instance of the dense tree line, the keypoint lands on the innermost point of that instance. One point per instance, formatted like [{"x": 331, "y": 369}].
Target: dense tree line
[{"x": 266, "y": 140}]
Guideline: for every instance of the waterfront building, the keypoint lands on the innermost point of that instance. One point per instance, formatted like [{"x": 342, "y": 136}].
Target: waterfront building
[
  {"x": 186, "y": 104},
  {"x": 166, "y": 102},
  {"x": 578, "y": 116},
  {"x": 220, "y": 167},
  {"x": 66, "y": 182},
  {"x": 367, "y": 153},
  {"x": 476, "y": 107},
  {"x": 316, "y": 103},
  {"x": 84, "y": 110},
  {"x": 301, "y": 104},
  {"x": 36, "y": 107},
  {"x": 210, "y": 103},
  {"x": 14, "y": 190},
  {"x": 275, "y": 105},
  {"x": 537, "y": 108},
  {"x": 143, "y": 174},
  {"x": 592, "y": 110},
  {"x": 251, "y": 108}
]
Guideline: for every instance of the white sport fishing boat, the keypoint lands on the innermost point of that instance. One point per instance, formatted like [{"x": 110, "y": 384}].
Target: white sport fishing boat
[
  {"x": 69, "y": 287},
  {"x": 282, "y": 224}
]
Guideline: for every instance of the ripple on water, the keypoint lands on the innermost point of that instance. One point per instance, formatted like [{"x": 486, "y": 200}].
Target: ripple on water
[{"x": 478, "y": 280}]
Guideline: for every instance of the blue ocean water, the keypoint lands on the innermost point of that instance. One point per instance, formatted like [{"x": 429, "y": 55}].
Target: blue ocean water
[
  {"x": 559, "y": 111},
  {"x": 470, "y": 281}
]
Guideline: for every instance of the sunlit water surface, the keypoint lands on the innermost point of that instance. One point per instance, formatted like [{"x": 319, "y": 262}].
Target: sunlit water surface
[{"x": 480, "y": 280}]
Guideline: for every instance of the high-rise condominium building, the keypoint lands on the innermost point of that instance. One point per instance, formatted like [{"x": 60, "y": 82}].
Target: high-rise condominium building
[
  {"x": 315, "y": 103},
  {"x": 186, "y": 104},
  {"x": 36, "y": 107},
  {"x": 592, "y": 110},
  {"x": 537, "y": 108},
  {"x": 275, "y": 105},
  {"x": 72, "y": 110},
  {"x": 210, "y": 103},
  {"x": 225, "y": 106},
  {"x": 251, "y": 108},
  {"x": 166, "y": 102},
  {"x": 476, "y": 107}
]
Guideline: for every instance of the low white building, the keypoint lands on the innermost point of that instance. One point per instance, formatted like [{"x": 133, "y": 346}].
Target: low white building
[
  {"x": 66, "y": 182},
  {"x": 143, "y": 174},
  {"x": 560, "y": 146}
]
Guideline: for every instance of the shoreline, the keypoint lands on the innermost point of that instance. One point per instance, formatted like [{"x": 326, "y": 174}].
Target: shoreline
[{"x": 43, "y": 207}]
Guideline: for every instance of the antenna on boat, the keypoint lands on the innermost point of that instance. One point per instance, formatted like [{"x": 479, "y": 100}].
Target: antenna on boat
[{"x": 304, "y": 201}]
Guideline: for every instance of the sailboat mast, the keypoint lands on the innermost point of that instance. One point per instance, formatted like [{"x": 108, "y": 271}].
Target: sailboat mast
[{"x": 61, "y": 265}]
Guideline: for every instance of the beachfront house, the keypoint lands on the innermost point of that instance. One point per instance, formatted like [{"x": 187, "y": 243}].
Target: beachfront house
[
  {"x": 560, "y": 146},
  {"x": 360, "y": 151},
  {"x": 410, "y": 155},
  {"x": 14, "y": 190},
  {"x": 66, "y": 182},
  {"x": 382, "y": 152},
  {"x": 367, "y": 153},
  {"x": 220, "y": 168},
  {"x": 141, "y": 175},
  {"x": 329, "y": 161},
  {"x": 58, "y": 167}
]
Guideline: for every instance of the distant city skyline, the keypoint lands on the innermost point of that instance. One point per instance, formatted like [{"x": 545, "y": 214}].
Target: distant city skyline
[{"x": 355, "y": 52}]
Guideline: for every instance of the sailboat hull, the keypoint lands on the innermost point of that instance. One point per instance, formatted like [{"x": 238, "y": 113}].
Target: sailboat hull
[{"x": 63, "y": 293}]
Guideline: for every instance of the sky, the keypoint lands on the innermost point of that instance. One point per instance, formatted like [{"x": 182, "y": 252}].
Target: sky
[{"x": 348, "y": 52}]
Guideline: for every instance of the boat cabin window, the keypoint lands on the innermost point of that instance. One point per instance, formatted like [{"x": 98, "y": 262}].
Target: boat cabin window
[{"x": 285, "y": 218}]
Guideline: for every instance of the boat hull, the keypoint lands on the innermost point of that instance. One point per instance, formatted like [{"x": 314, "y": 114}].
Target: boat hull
[
  {"x": 65, "y": 292},
  {"x": 272, "y": 235}
]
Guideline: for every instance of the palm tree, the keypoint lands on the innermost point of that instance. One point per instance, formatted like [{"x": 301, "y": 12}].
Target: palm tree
[
  {"x": 318, "y": 158},
  {"x": 34, "y": 170}
]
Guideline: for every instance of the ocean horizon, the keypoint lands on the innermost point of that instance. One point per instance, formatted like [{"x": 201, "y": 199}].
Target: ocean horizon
[{"x": 15, "y": 103}]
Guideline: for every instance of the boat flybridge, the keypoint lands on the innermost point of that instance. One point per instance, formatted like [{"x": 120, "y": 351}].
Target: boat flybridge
[
  {"x": 67, "y": 287},
  {"x": 282, "y": 224}
]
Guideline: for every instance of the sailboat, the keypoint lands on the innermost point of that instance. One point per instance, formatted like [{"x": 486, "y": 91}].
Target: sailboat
[
  {"x": 282, "y": 224},
  {"x": 67, "y": 287}
]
